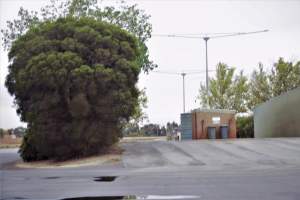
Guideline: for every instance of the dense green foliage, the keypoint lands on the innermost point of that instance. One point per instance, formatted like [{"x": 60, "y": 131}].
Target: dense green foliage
[
  {"x": 260, "y": 88},
  {"x": 2, "y": 132},
  {"x": 73, "y": 80},
  {"x": 18, "y": 132},
  {"x": 236, "y": 92},
  {"x": 245, "y": 127},
  {"x": 127, "y": 17},
  {"x": 132, "y": 127},
  {"x": 226, "y": 91},
  {"x": 284, "y": 76},
  {"x": 151, "y": 129}
]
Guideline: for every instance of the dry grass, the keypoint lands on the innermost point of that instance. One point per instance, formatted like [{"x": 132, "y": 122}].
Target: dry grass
[
  {"x": 146, "y": 138},
  {"x": 9, "y": 146},
  {"x": 8, "y": 142},
  {"x": 113, "y": 156}
]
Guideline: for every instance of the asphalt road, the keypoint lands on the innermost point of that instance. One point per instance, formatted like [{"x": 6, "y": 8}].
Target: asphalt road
[{"x": 211, "y": 170}]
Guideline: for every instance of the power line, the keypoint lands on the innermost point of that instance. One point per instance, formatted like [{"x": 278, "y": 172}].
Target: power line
[
  {"x": 206, "y": 37},
  {"x": 197, "y": 34},
  {"x": 183, "y": 74},
  {"x": 237, "y": 34},
  {"x": 209, "y": 35},
  {"x": 179, "y": 73}
]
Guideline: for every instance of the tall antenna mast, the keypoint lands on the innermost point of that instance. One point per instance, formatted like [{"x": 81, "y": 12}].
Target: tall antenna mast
[
  {"x": 183, "y": 74},
  {"x": 206, "y": 37},
  {"x": 183, "y": 90}
]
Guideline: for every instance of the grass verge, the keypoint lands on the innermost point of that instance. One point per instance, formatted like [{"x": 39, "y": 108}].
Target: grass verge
[{"x": 113, "y": 156}]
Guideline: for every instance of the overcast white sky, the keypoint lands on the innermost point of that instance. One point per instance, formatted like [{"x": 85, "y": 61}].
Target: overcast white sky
[{"x": 164, "y": 92}]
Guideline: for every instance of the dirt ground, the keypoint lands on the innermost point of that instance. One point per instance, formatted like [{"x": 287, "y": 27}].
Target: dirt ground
[
  {"x": 113, "y": 156},
  {"x": 8, "y": 142},
  {"x": 146, "y": 138}
]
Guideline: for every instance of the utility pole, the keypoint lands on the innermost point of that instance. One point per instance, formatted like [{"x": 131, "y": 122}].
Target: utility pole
[
  {"x": 183, "y": 74},
  {"x": 183, "y": 90},
  {"x": 206, "y": 39}
]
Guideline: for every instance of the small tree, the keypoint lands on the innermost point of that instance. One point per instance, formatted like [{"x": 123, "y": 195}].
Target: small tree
[
  {"x": 260, "y": 89},
  {"x": 284, "y": 76},
  {"x": 226, "y": 91},
  {"x": 132, "y": 127},
  {"x": 172, "y": 127},
  {"x": 245, "y": 126},
  {"x": 239, "y": 95},
  {"x": 151, "y": 129}
]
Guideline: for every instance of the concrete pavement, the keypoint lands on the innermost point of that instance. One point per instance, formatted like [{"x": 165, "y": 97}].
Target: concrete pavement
[
  {"x": 211, "y": 170},
  {"x": 215, "y": 154}
]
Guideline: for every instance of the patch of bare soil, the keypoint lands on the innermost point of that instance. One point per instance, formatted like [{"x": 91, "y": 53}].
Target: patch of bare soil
[
  {"x": 145, "y": 138},
  {"x": 9, "y": 146},
  {"x": 8, "y": 142},
  {"x": 112, "y": 156}
]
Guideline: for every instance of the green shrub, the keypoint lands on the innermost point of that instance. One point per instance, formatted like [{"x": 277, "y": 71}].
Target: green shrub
[
  {"x": 2, "y": 133},
  {"x": 245, "y": 127},
  {"x": 74, "y": 82},
  {"x": 27, "y": 150}
]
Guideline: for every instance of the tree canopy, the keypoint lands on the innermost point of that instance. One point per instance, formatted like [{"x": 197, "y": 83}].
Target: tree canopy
[
  {"x": 127, "y": 17},
  {"x": 229, "y": 91},
  {"x": 260, "y": 89},
  {"x": 226, "y": 91},
  {"x": 284, "y": 76},
  {"x": 73, "y": 80}
]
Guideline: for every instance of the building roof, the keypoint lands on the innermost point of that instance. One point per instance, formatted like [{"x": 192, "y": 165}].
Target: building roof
[{"x": 213, "y": 110}]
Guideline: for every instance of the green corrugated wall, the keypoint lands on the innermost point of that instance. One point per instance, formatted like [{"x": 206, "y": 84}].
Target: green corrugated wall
[{"x": 279, "y": 117}]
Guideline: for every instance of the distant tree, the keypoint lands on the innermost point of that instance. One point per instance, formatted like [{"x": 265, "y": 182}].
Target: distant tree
[
  {"x": 163, "y": 131},
  {"x": 10, "y": 131},
  {"x": 151, "y": 129},
  {"x": 229, "y": 91},
  {"x": 131, "y": 130},
  {"x": 128, "y": 17},
  {"x": 74, "y": 83},
  {"x": 19, "y": 131},
  {"x": 284, "y": 76},
  {"x": 132, "y": 127},
  {"x": 260, "y": 89},
  {"x": 157, "y": 130},
  {"x": 172, "y": 127},
  {"x": 2, "y": 132},
  {"x": 139, "y": 115},
  {"x": 226, "y": 91},
  {"x": 239, "y": 93}
]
